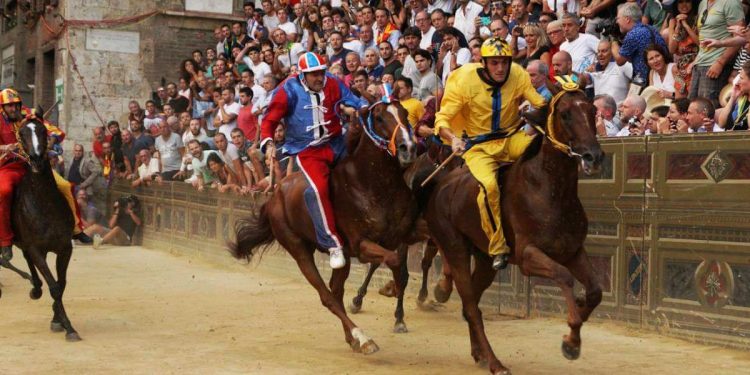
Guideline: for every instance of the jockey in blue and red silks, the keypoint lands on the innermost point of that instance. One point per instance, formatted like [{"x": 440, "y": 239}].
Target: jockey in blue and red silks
[
  {"x": 13, "y": 168},
  {"x": 307, "y": 103}
]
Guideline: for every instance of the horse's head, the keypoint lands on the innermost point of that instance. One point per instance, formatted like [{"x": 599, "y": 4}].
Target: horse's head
[
  {"x": 388, "y": 126},
  {"x": 571, "y": 127},
  {"x": 33, "y": 139}
]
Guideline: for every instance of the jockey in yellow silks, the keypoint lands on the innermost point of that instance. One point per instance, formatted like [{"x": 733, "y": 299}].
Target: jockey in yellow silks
[
  {"x": 479, "y": 115},
  {"x": 12, "y": 168}
]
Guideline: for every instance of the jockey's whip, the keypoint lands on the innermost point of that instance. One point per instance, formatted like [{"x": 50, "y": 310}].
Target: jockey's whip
[{"x": 441, "y": 166}]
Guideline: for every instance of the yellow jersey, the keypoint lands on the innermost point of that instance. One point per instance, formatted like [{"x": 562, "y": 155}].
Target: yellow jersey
[
  {"x": 415, "y": 109},
  {"x": 467, "y": 104}
]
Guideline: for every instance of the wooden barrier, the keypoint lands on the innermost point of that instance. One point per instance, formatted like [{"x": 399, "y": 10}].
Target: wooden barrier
[{"x": 669, "y": 233}]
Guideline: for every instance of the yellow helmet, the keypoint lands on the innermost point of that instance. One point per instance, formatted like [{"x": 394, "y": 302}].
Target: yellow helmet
[
  {"x": 496, "y": 47},
  {"x": 9, "y": 96}
]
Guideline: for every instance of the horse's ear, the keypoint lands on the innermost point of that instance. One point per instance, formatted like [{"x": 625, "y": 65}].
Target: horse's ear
[
  {"x": 370, "y": 99},
  {"x": 537, "y": 116},
  {"x": 38, "y": 112}
]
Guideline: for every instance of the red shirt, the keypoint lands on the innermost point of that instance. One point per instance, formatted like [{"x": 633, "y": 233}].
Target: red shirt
[
  {"x": 97, "y": 146},
  {"x": 247, "y": 121}
]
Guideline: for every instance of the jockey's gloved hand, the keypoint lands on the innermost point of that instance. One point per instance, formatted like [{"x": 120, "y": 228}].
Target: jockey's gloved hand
[
  {"x": 6, "y": 252},
  {"x": 458, "y": 145}
]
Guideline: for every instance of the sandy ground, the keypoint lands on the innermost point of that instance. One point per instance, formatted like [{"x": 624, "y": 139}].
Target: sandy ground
[{"x": 143, "y": 311}]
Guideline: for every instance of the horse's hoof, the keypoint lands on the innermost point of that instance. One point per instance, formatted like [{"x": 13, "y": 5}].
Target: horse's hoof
[
  {"x": 35, "y": 293},
  {"x": 369, "y": 347},
  {"x": 400, "y": 328},
  {"x": 72, "y": 337},
  {"x": 56, "y": 327},
  {"x": 354, "y": 308},
  {"x": 502, "y": 371},
  {"x": 571, "y": 352},
  {"x": 441, "y": 295}
]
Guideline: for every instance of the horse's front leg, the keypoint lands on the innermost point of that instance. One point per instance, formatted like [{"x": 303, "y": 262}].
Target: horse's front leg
[
  {"x": 536, "y": 263},
  {"x": 371, "y": 252},
  {"x": 36, "y": 282},
  {"x": 401, "y": 279},
  {"x": 581, "y": 268},
  {"x": 356, "y": 305}
]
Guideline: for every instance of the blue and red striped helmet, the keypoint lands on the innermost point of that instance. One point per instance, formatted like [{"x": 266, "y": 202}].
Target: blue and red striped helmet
[{"x": 310, "y": 62}]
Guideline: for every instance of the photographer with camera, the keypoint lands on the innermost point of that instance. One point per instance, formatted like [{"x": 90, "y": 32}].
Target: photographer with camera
[
  {"x": 638, "y": 37},
  {"x": 124, "y": 221},
  {"x": 597, "y": 12},
  {"x": 631, "y": 117}
]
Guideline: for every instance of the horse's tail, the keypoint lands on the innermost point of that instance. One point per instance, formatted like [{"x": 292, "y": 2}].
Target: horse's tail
[{"x": 253, "y": 235}]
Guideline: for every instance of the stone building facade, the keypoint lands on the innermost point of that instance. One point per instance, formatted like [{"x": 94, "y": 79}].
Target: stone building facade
[{"x": 118, "y": 64}]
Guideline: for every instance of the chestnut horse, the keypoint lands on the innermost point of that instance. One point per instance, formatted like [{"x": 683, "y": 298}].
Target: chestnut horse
[
  {"x": 374, "y": 208},
  {"x": 424, "y": 166},
  {"x": 543, "y": 219},
  {"x": 42, "y": 223}
]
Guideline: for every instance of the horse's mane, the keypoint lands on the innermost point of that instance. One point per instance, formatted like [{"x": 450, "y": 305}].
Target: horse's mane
[
  {"x": 353, "y": 136},
  {"x": 533, "y": 149}
]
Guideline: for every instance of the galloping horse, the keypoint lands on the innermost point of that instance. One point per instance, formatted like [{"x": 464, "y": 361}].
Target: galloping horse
[
  {"x": 543, "y": 219},
  {"x": 414, "y": 175},
  {"x": 374, "y": 208},
  {"x": 42, "y": 222}
]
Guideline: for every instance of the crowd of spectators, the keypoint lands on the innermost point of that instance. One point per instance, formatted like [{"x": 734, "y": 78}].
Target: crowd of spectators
[{"x": 650, "y": 67}]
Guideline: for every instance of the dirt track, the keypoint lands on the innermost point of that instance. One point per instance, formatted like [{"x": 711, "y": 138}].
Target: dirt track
[{"x": 143, "y": 311}]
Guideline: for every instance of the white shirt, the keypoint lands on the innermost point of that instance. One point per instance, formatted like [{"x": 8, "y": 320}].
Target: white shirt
[
  {"x": 582, "y": 51},
  {"x": 464, "y": 20},
  {"x": 572, "y": 6},
  {"x": 169, "y": 152},
  {"x": 145, "y": 171},
  {"x": 668, "y": 82},
  {"x": 288, "y": 28},
  {"x": 188, "y": 136},
  {"x": 445, "y": 5},
  {"x": 231, "y": 108},
  {"x": 463, "y": 57},
  {"x": 613, "y": 80},
  {"x": 229, "y": 156},
  {"x": 292, "y": 56},
  {"x": 259, "y": 71},
  {"x": 427, "y": 38}
]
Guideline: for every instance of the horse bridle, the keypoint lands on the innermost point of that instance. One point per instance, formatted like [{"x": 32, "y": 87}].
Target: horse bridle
[
  {"x": 388, "y": 145},
  {"x": 549, "y": 132}
]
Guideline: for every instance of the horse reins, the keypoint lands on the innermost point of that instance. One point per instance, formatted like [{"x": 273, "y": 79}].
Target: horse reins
[
  {"x": 549, "y": 133},
  {"x": 382, "y": 143}
]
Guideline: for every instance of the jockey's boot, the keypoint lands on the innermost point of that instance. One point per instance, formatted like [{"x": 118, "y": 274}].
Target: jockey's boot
[
  {"x": 83, "y": 237},
  {"x": 337, "y": 257},
  {"x": 6, "y": 252},
  {"x": 500, "y": 261}
]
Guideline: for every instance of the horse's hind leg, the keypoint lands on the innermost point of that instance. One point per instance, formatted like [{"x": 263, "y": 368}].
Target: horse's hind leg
[
  {"x": 7, "y": 264},
  {"x": 356, "y": 305},
  {"x": 306, "y": 262},
  {"x": 581, "y": 268},
  {"x": 536, "y": 263},
  {"x": 460, "y": 261},
  {"x": 444, "y": 286},
  {"x": 36, "y": 282},
  {"x": 336, "y": 284},
  {"x": 401, "y": 278},
  {"x": 56, "y": 288},
  {"x": 430, "y": 250}
]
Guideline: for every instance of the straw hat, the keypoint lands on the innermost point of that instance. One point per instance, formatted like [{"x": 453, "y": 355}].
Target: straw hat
[
  {"x": 725, "y": 95},
  {"x": 653, "y": 99}
]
